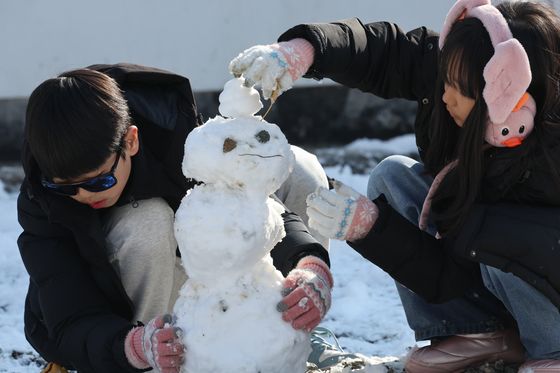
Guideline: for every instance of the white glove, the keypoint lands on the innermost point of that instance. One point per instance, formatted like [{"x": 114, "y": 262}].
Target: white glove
[
  {"x": 342, "y": 214},
  {"x": 273, "y": 67}
]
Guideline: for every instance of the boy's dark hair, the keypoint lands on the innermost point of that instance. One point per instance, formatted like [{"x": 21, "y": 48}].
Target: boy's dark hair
[{"x": 74, "y": 122}]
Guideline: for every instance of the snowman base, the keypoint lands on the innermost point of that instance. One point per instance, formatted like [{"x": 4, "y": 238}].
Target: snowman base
[{"x": 227, "y": 327}]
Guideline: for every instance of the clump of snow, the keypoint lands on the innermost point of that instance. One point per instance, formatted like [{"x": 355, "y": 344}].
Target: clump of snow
[
  {"x": 404, "y": 144},
  {"x": 362, "y": 364},
  {"x": 225, "y": 229},
  {"x": 238, "y": 101}
]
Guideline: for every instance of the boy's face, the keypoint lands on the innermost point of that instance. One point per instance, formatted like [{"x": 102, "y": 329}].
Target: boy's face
[{"x": 109, "y": 197}]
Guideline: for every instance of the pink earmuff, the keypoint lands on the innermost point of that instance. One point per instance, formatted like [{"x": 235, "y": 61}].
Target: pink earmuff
[
  {"x": 516, "y": 127},
  {"x": 507, "y": 74}
]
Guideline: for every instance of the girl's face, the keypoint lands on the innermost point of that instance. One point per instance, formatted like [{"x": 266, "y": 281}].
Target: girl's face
[
  {"x": 109, "y": 197},
  {"x": 458, "y": 105}
]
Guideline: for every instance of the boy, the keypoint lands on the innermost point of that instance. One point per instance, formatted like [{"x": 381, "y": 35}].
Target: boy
[{"x": 102, "y": 158}]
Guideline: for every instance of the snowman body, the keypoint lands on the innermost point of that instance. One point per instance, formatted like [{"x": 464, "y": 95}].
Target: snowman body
[{"x": 225, "y": 228}]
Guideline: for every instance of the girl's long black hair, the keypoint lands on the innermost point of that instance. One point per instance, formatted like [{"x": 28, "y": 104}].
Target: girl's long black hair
[{"x": 466, "y": 51}]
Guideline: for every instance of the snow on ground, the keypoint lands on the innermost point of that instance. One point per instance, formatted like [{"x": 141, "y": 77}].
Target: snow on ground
[
  {"x": 366, "y": 313},
  {"x": 16, "y": 356}
]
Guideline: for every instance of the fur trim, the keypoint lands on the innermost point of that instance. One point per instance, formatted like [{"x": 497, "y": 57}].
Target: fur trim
[
  {"x": 456, "y": 13},
  {"x": 507, "y": 76}
]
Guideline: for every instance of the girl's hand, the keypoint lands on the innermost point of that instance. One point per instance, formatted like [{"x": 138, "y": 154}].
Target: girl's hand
[
  {"x": 342, "y": 214},
  {"x": 274, "y": 67}
]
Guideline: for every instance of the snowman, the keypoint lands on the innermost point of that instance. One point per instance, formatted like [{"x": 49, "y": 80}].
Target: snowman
[{"x": 226, "y": 228}]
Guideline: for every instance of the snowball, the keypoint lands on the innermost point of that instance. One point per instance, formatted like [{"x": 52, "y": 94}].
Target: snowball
[{"x": 236, "y": 100}]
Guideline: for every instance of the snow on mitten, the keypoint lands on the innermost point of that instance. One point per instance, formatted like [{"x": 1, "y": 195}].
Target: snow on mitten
[
  {"x": 274, "y": 67},
  {"x": 307, "y": 293},
  {"x": 342, "y": 214},
  {"x": 157, "y": 345}
]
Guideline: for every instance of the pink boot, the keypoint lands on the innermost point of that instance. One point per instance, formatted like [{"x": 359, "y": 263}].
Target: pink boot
[
  {"x": 540, "y": 366},
  {"x": 459, "y": 352}
]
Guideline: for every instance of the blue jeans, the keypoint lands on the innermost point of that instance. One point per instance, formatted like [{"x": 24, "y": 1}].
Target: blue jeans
[{"x": 505, "y": 300}]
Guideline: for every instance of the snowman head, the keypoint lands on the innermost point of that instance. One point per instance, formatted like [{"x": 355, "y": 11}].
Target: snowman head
[{"x": 239, "y": 153}]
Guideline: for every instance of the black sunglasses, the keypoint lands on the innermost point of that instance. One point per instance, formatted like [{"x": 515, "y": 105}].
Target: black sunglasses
[{"x": 96, "y": 184}]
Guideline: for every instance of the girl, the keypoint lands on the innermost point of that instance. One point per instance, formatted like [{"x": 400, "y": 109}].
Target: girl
[{"x": 487, "y": 288}]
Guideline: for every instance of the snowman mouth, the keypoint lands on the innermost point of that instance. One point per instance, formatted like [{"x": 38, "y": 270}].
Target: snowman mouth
[{"x": 262, "y": 156}]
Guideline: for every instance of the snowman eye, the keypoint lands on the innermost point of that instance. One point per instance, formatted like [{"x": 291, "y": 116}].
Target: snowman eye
[
  {"x": 263, "y": 136},
  {"x": 505, "y": 132},
  {"x": 522, "y": 129},
  {"x": 229, "y": 145}
]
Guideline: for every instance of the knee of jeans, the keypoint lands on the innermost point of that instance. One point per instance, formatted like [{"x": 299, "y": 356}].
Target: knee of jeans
[
  {"x": 491, "y": 272},
  {"x": 390, "y": 168},
  {"x": 492, "y": 277}
]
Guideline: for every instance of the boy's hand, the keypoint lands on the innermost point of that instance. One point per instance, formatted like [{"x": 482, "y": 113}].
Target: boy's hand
[
  {"x": 342, "y": 214},
  {"x": 307, "y": 294},
  {"x": 274, "y": 67},
  {"x": 157, "y": 344}
]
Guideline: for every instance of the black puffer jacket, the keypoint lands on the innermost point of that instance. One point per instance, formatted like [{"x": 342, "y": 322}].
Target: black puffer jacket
[
  {"x": 378, "y": 58},
  {"x": 77, "y": 312},
  {"x": 500, "y": 231}
]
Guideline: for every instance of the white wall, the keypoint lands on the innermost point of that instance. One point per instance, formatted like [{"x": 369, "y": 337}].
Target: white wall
[{"x": 41, "y": 38}]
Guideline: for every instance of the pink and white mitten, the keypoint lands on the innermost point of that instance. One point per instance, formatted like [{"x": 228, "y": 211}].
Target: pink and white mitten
[
  {"x": 275, "y": 67},
  {"x": 342, "y": 214},
  {"x": 157, "y": 345},
  {"x": 307, "y": 293}
]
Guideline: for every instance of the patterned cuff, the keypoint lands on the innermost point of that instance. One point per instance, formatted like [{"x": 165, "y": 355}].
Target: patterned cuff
[
  {"x": 299, "y": 54},
  {"x": 133, "y": 348},
  {"x": 344, "y": 225},
  {"x": 317, "y": 266},
  {"x": 364, "y": 218}
]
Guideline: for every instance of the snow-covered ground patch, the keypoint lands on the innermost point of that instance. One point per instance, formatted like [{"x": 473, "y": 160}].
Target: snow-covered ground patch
[
  {"x": 366, "y": 314},
  {"x": 16, "y": 356},
  {"x": 362, "y": 155}
]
